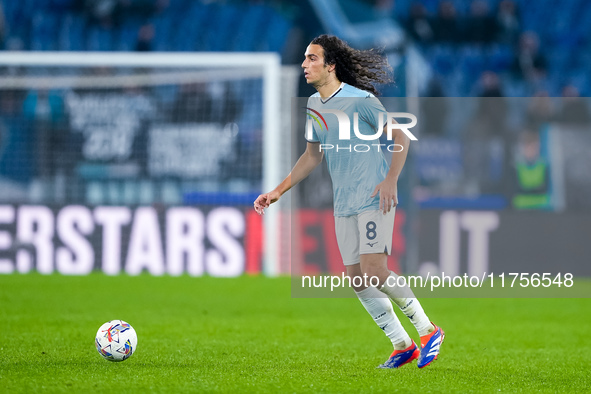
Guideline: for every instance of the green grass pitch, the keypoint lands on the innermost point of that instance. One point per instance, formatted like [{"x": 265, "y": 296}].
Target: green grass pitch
[{"x": 248, "y": 335}]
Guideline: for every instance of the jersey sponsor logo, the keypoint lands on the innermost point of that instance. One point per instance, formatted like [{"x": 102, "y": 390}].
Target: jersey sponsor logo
[{"x": 371, "y": 244}]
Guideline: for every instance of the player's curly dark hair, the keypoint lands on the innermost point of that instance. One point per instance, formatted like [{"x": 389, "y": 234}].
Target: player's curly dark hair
[{"x": 361, "y": 69}]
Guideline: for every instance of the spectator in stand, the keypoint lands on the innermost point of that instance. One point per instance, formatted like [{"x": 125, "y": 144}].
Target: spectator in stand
[
  {"x": 434, "y": 109},
  {"x": 491, "y": 114},
  {"x": 145, "y": 38},
  {"x": 382, "y": 6},
  {"x": 101, "y": 12},
  {"x": 487, "y": 138},
  {"x": 138, "y": 8},
  {"x": 446, "y": 26},
  {"x": 508, "y": 23},
  {"x": 529, "y": 63},
  {"x": 575, "y": 110},
  {"x": 531, "y": 175},
  {"x": 161, "y": 6},
  {"x": 481, "y": 26},
  {"x": 540, "y": 111},
  {"x": 419, "y": 24}
]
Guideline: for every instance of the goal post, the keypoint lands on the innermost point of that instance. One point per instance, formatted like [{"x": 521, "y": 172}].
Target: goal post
[{"x": 25, "y": 71}]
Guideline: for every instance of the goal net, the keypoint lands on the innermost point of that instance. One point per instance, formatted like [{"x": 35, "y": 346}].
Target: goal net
[{"x": 123, "y": 129}]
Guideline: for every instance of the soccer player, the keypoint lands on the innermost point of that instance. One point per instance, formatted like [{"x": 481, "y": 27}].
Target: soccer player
[{"x": 365, "y": 188}]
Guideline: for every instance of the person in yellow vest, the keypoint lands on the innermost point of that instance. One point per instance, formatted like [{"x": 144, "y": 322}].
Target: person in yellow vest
[{"x": 532, "y": 175}]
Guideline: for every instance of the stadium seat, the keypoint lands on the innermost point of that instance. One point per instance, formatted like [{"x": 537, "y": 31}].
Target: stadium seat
[
  {"x": 163, "y": 31},
  {"x": 190, "y": 34},
  {"x": 56, "y": 25},
  {"x": 99, "y": 39},
  {"x": 219, "y": 34},
  {"x": 127, "y": 34},
  {"x": 250, "y": 28},
  {"x": 71, "y": 33},
  {"x": 43, "y": 33},
  {"x": 276, "y": 36}
]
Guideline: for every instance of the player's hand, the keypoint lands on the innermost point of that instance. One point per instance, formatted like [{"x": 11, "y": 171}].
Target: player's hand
[
  {"x": 264, "y": 200},
  {"x": 388, "y": 192}
]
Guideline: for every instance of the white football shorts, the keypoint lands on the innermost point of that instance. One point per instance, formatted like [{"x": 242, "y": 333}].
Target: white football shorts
[{"x": 366, "y": 233}]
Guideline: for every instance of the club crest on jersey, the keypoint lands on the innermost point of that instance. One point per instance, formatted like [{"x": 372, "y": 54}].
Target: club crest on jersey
[{"x": 316, "y": 118}]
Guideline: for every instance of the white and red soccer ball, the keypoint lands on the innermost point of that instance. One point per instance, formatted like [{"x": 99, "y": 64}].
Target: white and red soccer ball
[{"x": 116, "y": 340}]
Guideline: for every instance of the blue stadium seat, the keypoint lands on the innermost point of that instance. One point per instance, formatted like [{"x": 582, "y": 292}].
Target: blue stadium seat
[
  {"x": 189, "y": 34},
  {"x": 179, "y": 6},
  {"x": 499, "y": 57},
  {"x": 219, "y": 33},
  {"x": 277, "y": 33},
  {"x": 580, "y": 79},
  {"x": 77, "y": 33},
  {"x": 44, "y": 28},
  {"x": 68, "y": 24},
  {"x": 249, "y": 28},
  {"x": 61, "y": 5},
  {"x": 582, "y": 17},
  {"x": 197, "y": 25},
  {"x": 100, "y": 39},
  {"x": 401, "y": 8},
  {"x": 163, "y": 31},
  {"x": 442, "y": 58},
  {"x": 126, "y": 36},
  {"x": 431, "y": 6}
]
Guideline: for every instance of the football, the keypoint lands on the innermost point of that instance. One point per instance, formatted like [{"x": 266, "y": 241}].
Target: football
[{"x": 116, "y": 340}]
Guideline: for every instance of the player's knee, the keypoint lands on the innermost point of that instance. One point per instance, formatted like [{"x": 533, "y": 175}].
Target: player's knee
[{"x": 375, "y": 275}]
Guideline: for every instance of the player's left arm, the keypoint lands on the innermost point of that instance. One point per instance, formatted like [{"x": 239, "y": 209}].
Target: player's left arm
[{"x": 387, "y": 189}]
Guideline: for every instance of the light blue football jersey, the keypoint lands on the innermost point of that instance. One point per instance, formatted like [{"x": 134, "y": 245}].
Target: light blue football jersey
[{"x": 354, "y": 174}]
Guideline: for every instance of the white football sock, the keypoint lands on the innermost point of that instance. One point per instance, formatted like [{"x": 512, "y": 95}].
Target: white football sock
[
  {"x": 408, "y": 304},
  {"x": 380, "y": 309}
]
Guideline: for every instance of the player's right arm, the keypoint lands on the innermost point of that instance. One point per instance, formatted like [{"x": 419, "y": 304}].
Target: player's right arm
[{"x": 304, "y": 166}]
